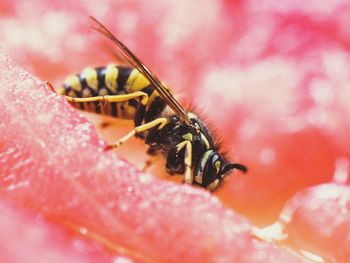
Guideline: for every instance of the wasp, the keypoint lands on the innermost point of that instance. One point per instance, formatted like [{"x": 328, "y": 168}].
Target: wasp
[{"x": 134, "y": 92}]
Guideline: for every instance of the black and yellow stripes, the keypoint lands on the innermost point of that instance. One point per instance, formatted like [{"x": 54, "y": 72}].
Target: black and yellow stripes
[
  {"x": 126, "y": 93},
  {"x": 113, "y": 80}
]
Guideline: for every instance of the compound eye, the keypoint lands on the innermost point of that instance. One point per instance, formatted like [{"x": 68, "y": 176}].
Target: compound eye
[
  {"x": 212, "y": 168},
  {"x": 213, "y": 162}
]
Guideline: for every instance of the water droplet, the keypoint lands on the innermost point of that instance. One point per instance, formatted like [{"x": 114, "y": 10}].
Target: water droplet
[
  {"x": 311, "y": 256},
  {"x": 144, "y": 204},
  {"x": 341, "y": 173},
  {"x": 210, "y": 216},
  {"x": 18, "y": 185},
  {"x": 145, "y": 178},
  {"x": 267, "y": 155},
  {"x": 83, "y": 230},
  {"x": 124, "y": 207},
  {"x": 121, "y": 259}
]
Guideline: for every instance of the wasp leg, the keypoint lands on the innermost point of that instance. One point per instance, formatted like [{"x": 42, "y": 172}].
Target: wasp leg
[
  {"x": 148, "y": 163},
  {"x": 146, "y": 166},
  {"x": 160, "y": 121},
  {"x": 213, "y": 185},
  {"x": 111, "y": 98},
  {"x": 47, "y": 83},
  {"x": 188, "y": 176}
]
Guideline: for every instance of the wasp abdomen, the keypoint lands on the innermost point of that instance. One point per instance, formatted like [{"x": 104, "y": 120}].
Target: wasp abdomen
[{"x": 111, "y": 80}]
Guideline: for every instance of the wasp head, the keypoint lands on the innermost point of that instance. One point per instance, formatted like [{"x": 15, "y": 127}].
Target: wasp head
[{"x": 212, "y": 168}]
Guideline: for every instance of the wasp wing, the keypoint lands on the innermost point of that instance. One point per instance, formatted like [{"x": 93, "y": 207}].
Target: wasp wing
[{"x": 152, "y": 78}]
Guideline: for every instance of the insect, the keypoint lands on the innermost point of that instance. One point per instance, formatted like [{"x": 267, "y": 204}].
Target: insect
[{"x": 136, "y": 93}]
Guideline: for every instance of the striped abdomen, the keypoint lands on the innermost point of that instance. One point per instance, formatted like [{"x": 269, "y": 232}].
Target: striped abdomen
[{"x": 113, "y": 80}]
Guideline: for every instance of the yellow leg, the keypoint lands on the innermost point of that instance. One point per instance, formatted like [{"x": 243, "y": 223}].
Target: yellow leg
[
  {"x": 188, "y": 176},
  {"x": 112, "y": 98},
  {"x": 160, "y": 121},
  {"x": 213, "y": 185},
  {"x": 148, "y": 163}
]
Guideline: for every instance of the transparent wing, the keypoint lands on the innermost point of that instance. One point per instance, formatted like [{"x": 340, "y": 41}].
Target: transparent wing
[{"x": 153, "y": 79}]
